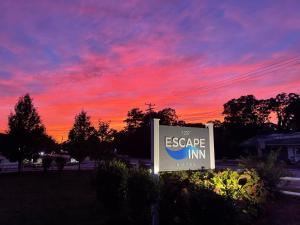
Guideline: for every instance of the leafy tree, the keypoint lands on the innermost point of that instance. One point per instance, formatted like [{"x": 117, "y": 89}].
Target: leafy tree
[
  {"x": 60, "y": 162},
  {"x": 292, "y": 112},
  {"x": 105, "y": 133},
  {"x": 247, "y": 110},
  {"x": 281, "y": 106},
  {"x": 26, "y": 133},
  {"x": 135, "y": 144},
  {"x": 48, "y": 144},
  {"x": 134, "y": 119},
  {"x": 245, "y": 117},
  {"x": 47, "y": 162},
  {"x": 82, "y": 138},
  {"x": 167, "y": 116},
  {"x": 104, "y": 149},
  {"x": 217, "y": 123},
  {"x": 134, "y": 140}
]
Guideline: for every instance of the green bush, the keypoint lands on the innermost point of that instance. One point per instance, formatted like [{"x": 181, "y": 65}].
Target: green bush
[
  {"x": 111, "y": 185},
  {"x": 184, "y": 203},
  {"x": 270, "y": 169},
  {"x": 244, "y": 186},
  {"x": 142, "y": 194},
  {"x": 127, "y": 194},
  {"x": 245, "y": 190},
  {"x": 60, "y": 163},
  {"x": 185, "y": 198},
  {"x": 46, "y": 163}
]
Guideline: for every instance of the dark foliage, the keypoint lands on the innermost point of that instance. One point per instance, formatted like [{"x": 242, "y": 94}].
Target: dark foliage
[
  {"x": 111, "y": 186},
  {"x": 182, "y": 203},
  {"x": 46, "y": 163},
  {"x": 60, "y": 162},
  {"x": 26, "y": 133},
  {"x": 142, "y": 195},
  {"x": 134, "y": 140},
  {"x": 82, "y": 138}
]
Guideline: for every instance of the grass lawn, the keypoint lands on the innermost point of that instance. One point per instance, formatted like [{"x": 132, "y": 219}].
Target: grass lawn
[
  {"x": 69, "y": 198},
  {"x": 42, "y": 199}
]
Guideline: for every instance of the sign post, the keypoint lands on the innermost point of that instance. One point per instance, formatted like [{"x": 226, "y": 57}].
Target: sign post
[
  {"x": 155, "y": 163},
  {"x": 175, "y": 148},
  {"x": 155, "y": 145},
  {"x": 210, "y": 127}
]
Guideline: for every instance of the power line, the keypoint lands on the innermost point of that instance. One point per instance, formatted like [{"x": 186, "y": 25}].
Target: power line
[
  {"x": 254, "y": 74},
  {"x": 150, "y": 107},
  {"x": 259, "y": 72}
]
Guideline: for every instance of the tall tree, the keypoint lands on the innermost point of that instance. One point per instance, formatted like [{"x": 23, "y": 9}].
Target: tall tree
[
  {"x": 105, "y": 133},
  {"x": 241, "y": 110},
  {"x": 134, "y": 119},
  {"x": 279, "y": 105},
  {"x": 167, "y": 116},
  {"x": 134, "y": 140},
  {"x": 292, "y": 112},
  {"x": 82, "y": 138},
  {"x": 104, "y": 149},
  {"x": 245, "y": 117},
  {"x": 26, "y": 133}
]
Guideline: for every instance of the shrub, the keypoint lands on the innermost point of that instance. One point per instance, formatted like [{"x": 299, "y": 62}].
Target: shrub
[
  {"x": 46, "y": 162},
  {"x": 244, "y": 186},
  {"x": 268, "y": 168},
  {"x": 186, "y": 197},
  {"x": 60, "y": 163},
  {"x": 127, "y": 194},
  {"x": 245, "y": 190},
  {"x": 184, "y": 203},
  {"x": 142, "y": 194},
  {"x": 111, "y": 184},
  {"x": 201, "y": 179}
]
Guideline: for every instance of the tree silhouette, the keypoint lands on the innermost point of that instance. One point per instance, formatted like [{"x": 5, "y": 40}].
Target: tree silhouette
[
  {"x": 104, "y": 132},
  {"x": 134, "y": 119},
  {"x": 247, "y": 110},
  {"x": 168, "y": 116},
  {"x": 26, "y": 133},
  {"x": 292, "y": 112},
  {"x": 245, "y": 117},
  {"x": 103, "y": 147},
  {"x": 281, "y": 106},
  {"x": 134, "y": 140},
  {"x": 82, "y": 138}
]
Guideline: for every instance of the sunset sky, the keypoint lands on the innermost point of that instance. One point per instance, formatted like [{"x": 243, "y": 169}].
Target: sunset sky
[{"x": 107, "y": 57}]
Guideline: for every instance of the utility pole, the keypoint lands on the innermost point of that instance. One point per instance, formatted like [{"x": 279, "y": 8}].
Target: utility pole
[
  {"x": 150, "y": 111},
  {"x": 150, "y": 107}
]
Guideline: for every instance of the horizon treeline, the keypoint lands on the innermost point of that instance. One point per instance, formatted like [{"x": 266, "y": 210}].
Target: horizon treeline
[{"x": 244, "y": 117}]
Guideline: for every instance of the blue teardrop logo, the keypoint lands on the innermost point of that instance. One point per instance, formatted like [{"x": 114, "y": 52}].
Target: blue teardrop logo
[{"x": 181, "y": 153}]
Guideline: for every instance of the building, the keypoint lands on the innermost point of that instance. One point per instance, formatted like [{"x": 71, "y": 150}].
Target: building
[
  {"x": 6, "y": 165},
  {"x": 288, "y": 144}
]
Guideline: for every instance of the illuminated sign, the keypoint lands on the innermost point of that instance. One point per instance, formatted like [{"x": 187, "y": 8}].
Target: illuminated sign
[{"x": 177, "y": 148}]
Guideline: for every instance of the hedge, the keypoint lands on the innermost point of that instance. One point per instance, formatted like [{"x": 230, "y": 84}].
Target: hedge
[{"x": 182, "y": 198}]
